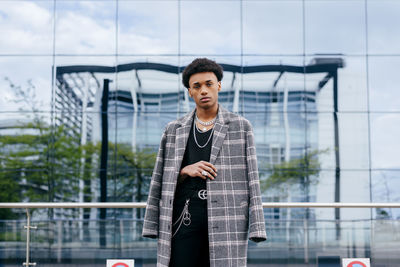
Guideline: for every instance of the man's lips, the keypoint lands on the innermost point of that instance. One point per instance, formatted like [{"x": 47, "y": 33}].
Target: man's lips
[{"x": 205, "y": 99}]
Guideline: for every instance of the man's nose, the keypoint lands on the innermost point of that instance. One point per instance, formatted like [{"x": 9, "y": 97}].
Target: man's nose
[{"x": 203, "y": 90}]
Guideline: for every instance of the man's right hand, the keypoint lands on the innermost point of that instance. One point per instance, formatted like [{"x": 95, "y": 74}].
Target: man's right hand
[{"x": 197, "y": 169}]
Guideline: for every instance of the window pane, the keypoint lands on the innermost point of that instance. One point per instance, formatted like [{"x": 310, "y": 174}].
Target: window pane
[
  {"x": 85, "y": 27},
  {"x": 25, "y": 83},
  {"x": 335, "y": 27},
  {"x": 80, "y": 82},
  {"x": 352, "y": 148},
  {"x": 273, "y": 84},
  {"x": 385, "y": 144},
  {"x": 26, "y": 27},
  {"x": 385, "y": 185},
  {"x": 149, "y": 27},
  {"x": 353, "y": 141},
  {"x": 351, "y": 83},
  {"x": 26, "y": 155},
  {"x": 384, "y": 86},
  {"x": 210, "y": 27},
  {"x": 148, "y": 84},
  {"x": 278, "y": 142},
  {"x": 355, "y": 187},
  {"x": 273, "y": 27},
  {"x": 383, "y": 27}
]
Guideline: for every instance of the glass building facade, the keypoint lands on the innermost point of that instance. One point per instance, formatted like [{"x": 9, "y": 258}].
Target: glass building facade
[{"x": 87, "y": 88}]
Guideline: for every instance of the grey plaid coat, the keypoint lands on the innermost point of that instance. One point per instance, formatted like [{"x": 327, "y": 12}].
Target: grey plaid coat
[{"x": 233, "y": 203}]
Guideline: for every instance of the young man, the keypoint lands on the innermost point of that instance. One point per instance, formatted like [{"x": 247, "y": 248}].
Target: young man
[{"x": 205, "y": 193}]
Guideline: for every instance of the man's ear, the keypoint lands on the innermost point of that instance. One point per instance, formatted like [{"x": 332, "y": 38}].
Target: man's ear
[
  {"x": 219, "y": 86},
  {"x": 190, "y": 95}
]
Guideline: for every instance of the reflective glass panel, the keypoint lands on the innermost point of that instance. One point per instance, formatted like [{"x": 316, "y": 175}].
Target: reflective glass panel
[
  {"x": 336, "y": 80},
  {"x": 86, "y": 27},
  {"x": 385, "y": 144},
  {"x": 383, "y": 27},
  {"x": 273, "y": 27},
  {"x": 26, "y": 27},
  {"x": 278, "y": 138},
  {"x": 210, "y": 27},
  {"x": 25, "y": 83},
  {"x": 383, "y": 84},
  {"x": 148, "y": 85},
  {"x": 148, "y": 27},
  {"x": 272, "y": 84},
  {"x": 335, "y": 27},
  {"x": 351, "y": 148},
  {"x": 80, "y": 83},
  {"x": 26, "y": 156},
  {"x": 385, "y": 184}
]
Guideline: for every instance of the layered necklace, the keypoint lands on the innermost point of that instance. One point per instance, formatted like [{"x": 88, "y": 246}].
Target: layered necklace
[{"x": 205, "y": 124}]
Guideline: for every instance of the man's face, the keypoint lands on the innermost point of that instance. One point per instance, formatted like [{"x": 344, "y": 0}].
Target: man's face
[{"x": 204, "y": 88}]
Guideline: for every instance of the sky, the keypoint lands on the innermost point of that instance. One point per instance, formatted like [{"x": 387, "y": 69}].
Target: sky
[{"x": 93, "y": 32}]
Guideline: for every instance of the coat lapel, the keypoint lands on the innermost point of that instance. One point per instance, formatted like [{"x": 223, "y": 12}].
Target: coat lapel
[
  {"x": 220, "y": 129},
  {"x": 182, "y": 134}
]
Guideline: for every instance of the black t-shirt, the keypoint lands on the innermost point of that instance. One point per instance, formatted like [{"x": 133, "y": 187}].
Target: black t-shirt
[{"x": 193, "y": 154}]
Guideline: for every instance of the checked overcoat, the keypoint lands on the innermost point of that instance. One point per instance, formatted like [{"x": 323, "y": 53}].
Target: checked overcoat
[{"x": 234, "y": 204}]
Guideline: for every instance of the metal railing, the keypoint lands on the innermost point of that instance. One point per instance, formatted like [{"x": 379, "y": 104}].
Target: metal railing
[{"x": 124, "y": 205}]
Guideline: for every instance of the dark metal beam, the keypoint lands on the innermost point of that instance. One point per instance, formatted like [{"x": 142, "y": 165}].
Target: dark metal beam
[
  {"x": 104, "y": 160},
  {"x": 312, "y": 68}
]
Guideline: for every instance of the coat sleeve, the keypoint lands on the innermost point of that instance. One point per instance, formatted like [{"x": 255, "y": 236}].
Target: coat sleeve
[
  {"x": 256, "y": 214},
  {"x": 151, "y": 217}
]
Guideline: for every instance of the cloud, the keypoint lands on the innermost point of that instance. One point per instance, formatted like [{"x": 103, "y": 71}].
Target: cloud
[
  {"x": 384, "y": 27},
  {"x": 77, "y": 33},
  {"x": 272, "y": 27},
  {"x": 26, "y": 28}
]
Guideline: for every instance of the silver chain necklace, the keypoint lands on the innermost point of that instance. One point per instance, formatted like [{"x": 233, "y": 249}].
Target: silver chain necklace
[
  {"x": 206, "y": 123},
  {"x": 194, "y": 134}
]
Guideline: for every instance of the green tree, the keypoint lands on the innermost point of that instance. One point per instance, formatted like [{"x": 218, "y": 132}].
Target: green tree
[
  {"x": 42, "y": 162},
  {"x": 134, "y": 169},
  {"x": 299, "y": 171}
]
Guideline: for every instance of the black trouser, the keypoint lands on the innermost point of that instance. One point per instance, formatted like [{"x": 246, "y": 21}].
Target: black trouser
[{"x": 189, "y": 246}]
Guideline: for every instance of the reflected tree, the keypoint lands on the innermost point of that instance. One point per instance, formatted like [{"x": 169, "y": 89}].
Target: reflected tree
[
  {"x": 303, "y": 171},
  {"x": 286, "y": 177},
  {"x": 44, "y": 162}
]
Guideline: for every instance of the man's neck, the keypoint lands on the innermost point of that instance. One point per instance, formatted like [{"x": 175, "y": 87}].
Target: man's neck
[{"x": 207, "y": 114}]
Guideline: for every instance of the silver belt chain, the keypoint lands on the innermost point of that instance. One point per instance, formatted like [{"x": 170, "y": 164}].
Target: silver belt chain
[{"x": 184, "y": 217}]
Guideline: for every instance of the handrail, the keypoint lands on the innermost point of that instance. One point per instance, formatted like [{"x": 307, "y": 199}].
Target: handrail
[{"x": 129, "y": 205}]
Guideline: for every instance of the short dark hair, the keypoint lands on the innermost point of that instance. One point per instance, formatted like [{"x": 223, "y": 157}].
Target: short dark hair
[{"x": 201, "y": 65}]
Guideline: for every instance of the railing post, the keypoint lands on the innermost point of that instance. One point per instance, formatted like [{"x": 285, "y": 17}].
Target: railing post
[
  {"x": 59, "y": 240},
  {"x": 121, "y": 233},
  {"x": 305, "y": 226},
  {"x": 28, "y": 228}
]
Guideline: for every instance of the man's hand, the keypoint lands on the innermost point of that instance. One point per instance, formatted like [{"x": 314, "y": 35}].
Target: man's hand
[{"x": 201, "y": 169}]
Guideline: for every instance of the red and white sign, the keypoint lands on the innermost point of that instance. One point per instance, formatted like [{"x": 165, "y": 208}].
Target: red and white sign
[
  {"x": 356, "y": 262},
  {"x": 120, "y": 263}
]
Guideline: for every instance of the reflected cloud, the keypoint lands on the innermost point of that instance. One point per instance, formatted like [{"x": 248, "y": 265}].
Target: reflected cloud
[{"x": 26, "y": 27}]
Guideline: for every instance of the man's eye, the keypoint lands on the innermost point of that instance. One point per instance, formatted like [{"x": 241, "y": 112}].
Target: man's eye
[{"x": 209, "y": 84}]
